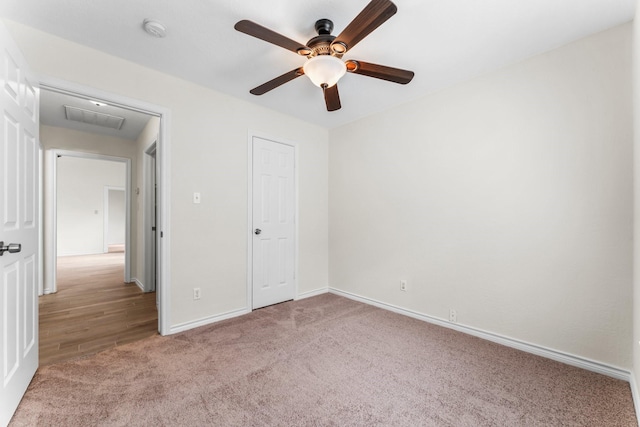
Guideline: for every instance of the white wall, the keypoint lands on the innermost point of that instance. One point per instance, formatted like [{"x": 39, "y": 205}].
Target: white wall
[
  {"x": 74, "y": 140},
  {"x": 80, "y": 203},
  {"x": 507, "y": 198},
  {"x": 635, "y": 344},
  {"x": 209, "y": 133},
  {"x": 117, "y": 218}
]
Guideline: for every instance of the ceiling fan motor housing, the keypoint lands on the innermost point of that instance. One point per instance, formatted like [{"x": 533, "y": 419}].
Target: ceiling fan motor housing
[
  {"x": 324, "y": 26},
  {"x": 321, "y": 44}
]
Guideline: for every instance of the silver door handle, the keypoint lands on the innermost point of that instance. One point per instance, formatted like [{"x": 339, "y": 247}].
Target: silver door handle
[
  {"x": 257, "y": 231},
  {"x": 12, "y": 248}
]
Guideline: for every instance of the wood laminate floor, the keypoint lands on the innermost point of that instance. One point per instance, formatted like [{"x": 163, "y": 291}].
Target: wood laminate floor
[{"x": 93, "y": 309}]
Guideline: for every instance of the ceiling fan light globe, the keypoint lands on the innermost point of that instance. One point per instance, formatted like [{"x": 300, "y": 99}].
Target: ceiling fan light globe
[{"x": 324, "y": 70}]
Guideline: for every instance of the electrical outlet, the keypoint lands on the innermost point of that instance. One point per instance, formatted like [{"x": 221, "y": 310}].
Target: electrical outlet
[
  {"x": 453, "y": 316},
  {"x": 196, "y": 293},
  {"x": 403, "y": 285}
]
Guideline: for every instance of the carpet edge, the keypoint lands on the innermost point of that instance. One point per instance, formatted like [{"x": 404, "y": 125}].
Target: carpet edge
[{"x": 558, "y": 356}]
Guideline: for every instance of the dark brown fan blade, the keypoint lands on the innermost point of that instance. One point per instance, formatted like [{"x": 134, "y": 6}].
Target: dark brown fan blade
[
  {"x": 332, "y": 98},
  {"x": 263, "y": 33},
  {"x": 371, "y": 17},
  {"x": 391, "y": 74},
  {"x": 278, "y": 81}
]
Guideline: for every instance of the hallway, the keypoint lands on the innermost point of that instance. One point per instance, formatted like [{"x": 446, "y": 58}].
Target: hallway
[{"x": 93, "y": 309}]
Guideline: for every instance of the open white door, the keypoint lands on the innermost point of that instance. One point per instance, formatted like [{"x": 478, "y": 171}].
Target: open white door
[
  {"x": 274, "y": 209},
  {"x": 19, "y": 225}
]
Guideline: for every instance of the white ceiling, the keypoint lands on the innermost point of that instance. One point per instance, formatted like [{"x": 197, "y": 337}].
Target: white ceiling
[{"x": 442, "y": 41}]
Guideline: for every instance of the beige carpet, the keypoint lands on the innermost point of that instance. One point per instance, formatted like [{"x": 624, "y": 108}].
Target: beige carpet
[{"x": 323, "y": 361}]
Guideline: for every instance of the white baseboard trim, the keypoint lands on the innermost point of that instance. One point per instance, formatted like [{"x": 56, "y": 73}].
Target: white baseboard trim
[
  {"x": 635, "y": 395},
  {"x": 139, "y": 284},
  {"x": 556, "y": 355},
  {"x": 181, "y": 327},
  {"x": 65, "y": 254},
  {"x": 313, "y": 293}
]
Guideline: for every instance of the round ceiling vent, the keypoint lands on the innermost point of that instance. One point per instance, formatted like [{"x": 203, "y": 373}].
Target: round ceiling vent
[{"x": 155, "y": 28}]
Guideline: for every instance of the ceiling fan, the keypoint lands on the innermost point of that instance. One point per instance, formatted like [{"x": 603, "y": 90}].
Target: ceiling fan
[{"x": 324, "y": 65}]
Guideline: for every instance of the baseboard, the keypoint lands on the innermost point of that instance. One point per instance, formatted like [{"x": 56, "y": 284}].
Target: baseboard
[
  {"x": 635, "y": 395},
  {"x": 65, "y": 254},
  {"x": 313, "y": 293},
  {"x": 556, "y": 355},
  {"x": 181, "y": 327},
  {"x": 139, "y": 284}
]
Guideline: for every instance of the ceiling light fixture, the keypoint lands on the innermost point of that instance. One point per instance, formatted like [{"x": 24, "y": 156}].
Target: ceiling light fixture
[
  {"x": 324, "y": 70},
  {"x": 155, "y": 28}
]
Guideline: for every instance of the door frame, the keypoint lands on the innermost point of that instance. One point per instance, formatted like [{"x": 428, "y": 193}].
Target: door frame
[
  {"x": 163, "y": 166},
  {"x": 149, "y": 206},
  {"x": 105, "y": 216},
  {"x": 250, "y": 240}
]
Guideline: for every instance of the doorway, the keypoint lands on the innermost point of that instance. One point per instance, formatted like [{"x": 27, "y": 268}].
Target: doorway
[
  {"x": 96, "y": 305},
  {"x": 160, "y": 251},
  {"x": 77, "y": 203}
]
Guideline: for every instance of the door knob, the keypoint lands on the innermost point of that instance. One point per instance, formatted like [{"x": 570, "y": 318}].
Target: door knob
[
  {"x": 12, "y": 248},
  {"x": 257, "y": 231}
]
